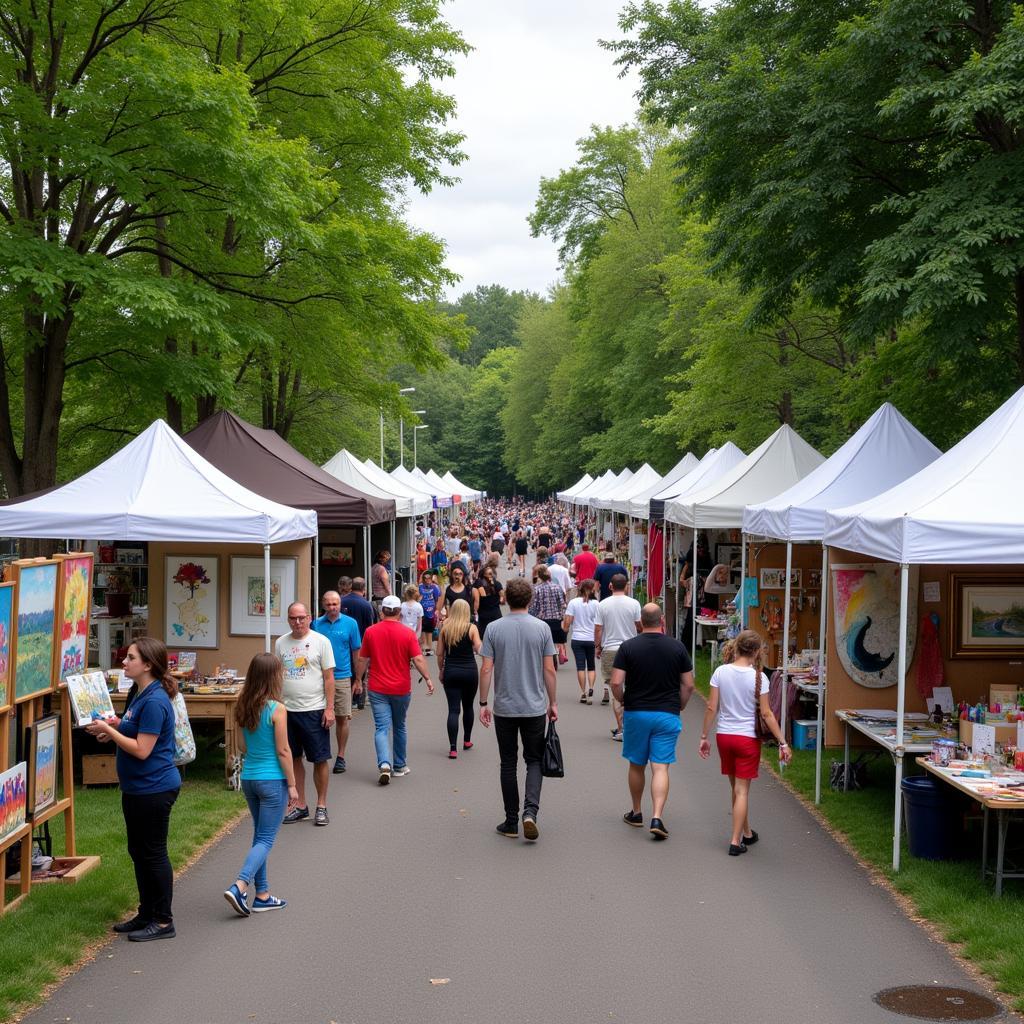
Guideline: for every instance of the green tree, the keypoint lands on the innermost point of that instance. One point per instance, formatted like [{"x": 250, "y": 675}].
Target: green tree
[{"x": 491, "y": 313}]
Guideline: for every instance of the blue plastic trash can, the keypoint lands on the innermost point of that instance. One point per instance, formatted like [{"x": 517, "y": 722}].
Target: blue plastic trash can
[{"x": 931, "y": 818}]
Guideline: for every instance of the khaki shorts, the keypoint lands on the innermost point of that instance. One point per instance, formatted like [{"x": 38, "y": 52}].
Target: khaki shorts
[
  {"x": 342, "y": 698},
  {"x": 607, "y": 664}
]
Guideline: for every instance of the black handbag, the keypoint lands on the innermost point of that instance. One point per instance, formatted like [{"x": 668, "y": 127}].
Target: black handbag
[{"x": 551, "y": 765}]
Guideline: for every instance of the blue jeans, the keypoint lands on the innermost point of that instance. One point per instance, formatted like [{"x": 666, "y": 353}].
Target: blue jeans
[
  {"x": 389, "y": 714},
  {"x": 267, "y": 800}
]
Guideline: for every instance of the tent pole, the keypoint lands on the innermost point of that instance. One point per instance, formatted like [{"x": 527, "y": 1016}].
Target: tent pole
[
  {"x": 742, "y": 603},
  {"x": 785, "y": 637},
  {"x": 266, "y": 598},
  {"x": 316, "y": 576},
  {"x": 366, "y": 554},
  {"x": 393, "y": 558},
  {"x": 675, "y": 569},
  {"x": 822, "y": 631},
  {"x": 693, "y": 597},
  {"x": 901, "y": 701}
]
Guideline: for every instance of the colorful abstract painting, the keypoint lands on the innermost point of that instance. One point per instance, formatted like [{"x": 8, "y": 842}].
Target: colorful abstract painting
[
  {"x": 866, "y": 609},
  {"x": 248, "y": 587},
  {"x": 13, "y": 799},
  {"x": 73, "y": 607},
  {"x": 34, "y": 644},
  {"x": 190, "y": 590},
  {"x": 6, "y": 632}
]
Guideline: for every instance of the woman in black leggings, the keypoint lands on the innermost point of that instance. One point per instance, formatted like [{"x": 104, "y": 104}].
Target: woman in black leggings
[{"x": 457, "y": 646}]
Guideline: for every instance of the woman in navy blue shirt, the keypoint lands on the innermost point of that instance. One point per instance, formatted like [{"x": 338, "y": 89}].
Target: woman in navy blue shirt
[{"x": 149, "y": 781}]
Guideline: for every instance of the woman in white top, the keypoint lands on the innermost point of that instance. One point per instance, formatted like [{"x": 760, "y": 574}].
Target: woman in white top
[
  {"x": 411, "y": 612},
  {"x": 734, "y": 698},
  {"x": 581, "y": 615}
]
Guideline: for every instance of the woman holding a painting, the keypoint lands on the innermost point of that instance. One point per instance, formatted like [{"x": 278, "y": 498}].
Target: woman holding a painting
[{"x": 149, "y": 782}]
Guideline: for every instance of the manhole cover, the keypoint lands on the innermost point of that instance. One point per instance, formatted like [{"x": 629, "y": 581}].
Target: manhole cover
[{"x": 935, "y": 1002}]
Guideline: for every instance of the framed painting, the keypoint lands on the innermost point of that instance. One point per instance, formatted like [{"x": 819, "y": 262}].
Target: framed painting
[
  {"x": 190, "y": 595},
  {"x": 74, "y": 602},
  {"x": 336, "y": 554},
  {"x": 6, "y": 636},
  {"x": 43, "y": 759},
  {"x": 729, "y": 554},
  {"x": 248, "y": 599},
  {"x": 35, "y": 602},
  {"x": 775, "y": 579},
  {"x": 986, "y": 619},
  {"x": 13, "y": 800}
]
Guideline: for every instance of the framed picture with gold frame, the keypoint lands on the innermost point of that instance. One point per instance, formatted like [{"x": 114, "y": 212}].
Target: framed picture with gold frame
[
  {"x": 74, "y": 604},
  {"x": 986, "y": 616},
  {"x": 33, "y": 644}
]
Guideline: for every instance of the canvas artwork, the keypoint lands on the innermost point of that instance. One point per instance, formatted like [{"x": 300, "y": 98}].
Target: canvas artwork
[
  {"x": 74, "y": 602},
  {"x": 89, "y": 696},
  {"x": 190, "y": 589},
  {"x": 13, "y": 799},
  {"x": 866, "y": 610},
  {"x": 775, "y": 579},
  {"x": 987, "y": 617},
  {"x": 337, "y": 554},
  {"x": 34, "y": 642},
  {"x": 6, "y": 627},
  {"x": 44, "y": 747},
  {"x": 248, "y": 586}
]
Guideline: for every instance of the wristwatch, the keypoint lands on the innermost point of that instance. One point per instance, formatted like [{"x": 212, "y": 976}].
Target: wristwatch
[{"x": 482, "y": 703}]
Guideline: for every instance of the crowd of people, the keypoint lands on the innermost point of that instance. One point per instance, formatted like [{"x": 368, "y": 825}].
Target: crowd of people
[{"x": 562, "y": 594}]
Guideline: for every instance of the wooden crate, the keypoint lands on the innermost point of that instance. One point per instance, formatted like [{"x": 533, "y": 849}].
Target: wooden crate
[
  {"x": 80, "y": 866},
  {"x": 99, "y": 769}
]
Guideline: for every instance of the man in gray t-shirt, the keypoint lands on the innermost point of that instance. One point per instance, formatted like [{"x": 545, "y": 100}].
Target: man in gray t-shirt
[{"x": 518, "y": 651}]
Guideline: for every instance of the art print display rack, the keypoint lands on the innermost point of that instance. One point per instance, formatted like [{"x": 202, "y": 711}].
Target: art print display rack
[{"x": 44, "y": 638}]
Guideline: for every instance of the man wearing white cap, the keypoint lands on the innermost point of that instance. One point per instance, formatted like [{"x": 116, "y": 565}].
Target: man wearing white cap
[{"x": 388, "y": 647}]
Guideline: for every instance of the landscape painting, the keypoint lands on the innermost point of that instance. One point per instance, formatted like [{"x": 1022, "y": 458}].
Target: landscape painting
[
  {"x": 988, "y": 616},
  {"x": 34, "y": 645},
  {"x": 248, "y": 587},
  {"x": 6, "y": 635},
  {"x": 44, "y": 747},
  {"x": 73, "y": 606}
]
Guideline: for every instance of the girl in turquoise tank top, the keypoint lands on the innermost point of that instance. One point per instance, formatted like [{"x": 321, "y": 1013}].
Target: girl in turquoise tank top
[{"x": 268, "y": 778}]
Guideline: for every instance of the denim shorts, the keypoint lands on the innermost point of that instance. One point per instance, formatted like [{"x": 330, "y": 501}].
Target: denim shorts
[
  {"x": 307, "y": 736},
  {"x": 650, "y": 736}
]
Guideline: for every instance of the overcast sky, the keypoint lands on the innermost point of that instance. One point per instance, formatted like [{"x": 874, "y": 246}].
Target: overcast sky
[{"x": 535, "y": 82}]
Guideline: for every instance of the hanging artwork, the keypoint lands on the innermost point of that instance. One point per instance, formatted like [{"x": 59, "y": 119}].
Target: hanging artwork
[
  {"x": 74, "y": 602},
  {"x": 43, "y": 750},
  {"x": 35, "y": 602},
  {"x": 248, "y": 595},
  {"x": 6, "y": 633},
  {"x": 866, "y": 607},
  {"x": 986, "y": 618},
  {"x": 190, "y": 592},
  {"x": 13, "y": 800}
]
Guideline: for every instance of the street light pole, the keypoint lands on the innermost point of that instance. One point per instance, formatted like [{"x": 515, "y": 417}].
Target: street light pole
[
  {"x": 415, "y": 435},
  {"x": 401, "y": 429},
  {"x": 382, "y": 437}
]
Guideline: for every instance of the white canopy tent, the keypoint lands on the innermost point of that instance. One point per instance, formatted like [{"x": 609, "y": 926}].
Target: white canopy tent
[
  {"x": 582, "y": 496},
  {"x": 776, "y": 464},
  {"x": 617, "y": 499},
  {"x": 416, "y": 483},
  {"x": 888, "y": 448},
  {"x": 443, "y": 489},
  {"x": 609, "y": 485},
  {"x": 965, "y": 508},
  {"x": 638, "y": 504},
  {"x": 350, "y": 470},
  {"x": 157, "y": 488},
  {"x": 584, "y": 481},
  {"x": 467, "y": 493}
]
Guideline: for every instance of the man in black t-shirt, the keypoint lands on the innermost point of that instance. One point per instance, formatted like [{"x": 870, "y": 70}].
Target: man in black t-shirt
[{"x": 652, "y": 677}]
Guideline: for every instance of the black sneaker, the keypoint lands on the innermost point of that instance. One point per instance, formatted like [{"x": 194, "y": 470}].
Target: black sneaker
[
  {"x": 530, "y": 830},
  {"x": 152, "y": 931},
  {"x": 658, "y": 829},
  {"x": 133, "y": 925},
  {"x": 751, "y": 839},
  {"x": 321, "y": 816},
  {"x": 339, "y": 766},
  {"x": 634, "y": 818},
  {"x": 508, "y": 828},
  {"x": 294, "y": 815},
  {"x": 735, "y": 851}
]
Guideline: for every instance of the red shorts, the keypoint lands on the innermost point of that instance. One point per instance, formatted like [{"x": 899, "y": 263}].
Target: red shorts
[{"x": 740, "y": 755}]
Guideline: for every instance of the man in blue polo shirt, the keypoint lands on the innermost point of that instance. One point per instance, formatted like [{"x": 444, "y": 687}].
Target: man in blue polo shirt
[{"x": 343, "y": 633}]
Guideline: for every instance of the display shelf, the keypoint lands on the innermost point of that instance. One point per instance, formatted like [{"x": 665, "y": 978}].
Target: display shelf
[{"x": 139, "y": 572}]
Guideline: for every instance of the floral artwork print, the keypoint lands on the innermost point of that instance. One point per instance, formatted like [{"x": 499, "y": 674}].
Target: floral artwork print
[{"x": 191, "y": 590}]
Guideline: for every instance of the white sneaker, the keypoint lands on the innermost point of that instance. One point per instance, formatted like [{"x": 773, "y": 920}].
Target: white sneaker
[
  {"x": 399, "y": 772},
  {"x": 385, "y": 774},
  {"x": 617, "y": 735}
]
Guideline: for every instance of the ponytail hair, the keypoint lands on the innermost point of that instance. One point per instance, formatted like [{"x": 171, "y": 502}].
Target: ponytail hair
[{"x": 154, "y": 653}]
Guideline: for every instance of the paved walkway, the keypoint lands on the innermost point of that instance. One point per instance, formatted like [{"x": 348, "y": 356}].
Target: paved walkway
[{"x": 595, "y": 922}]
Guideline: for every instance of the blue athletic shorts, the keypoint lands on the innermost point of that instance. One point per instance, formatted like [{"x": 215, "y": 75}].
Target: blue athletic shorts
[
  {"x": 650, "y": 736},
  {"x": 307, "y": 737}
]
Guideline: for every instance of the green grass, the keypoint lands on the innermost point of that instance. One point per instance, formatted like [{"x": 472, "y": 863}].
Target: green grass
[
  {"x": 50, "y": 930},
  {"x": 950, "y": 894}
]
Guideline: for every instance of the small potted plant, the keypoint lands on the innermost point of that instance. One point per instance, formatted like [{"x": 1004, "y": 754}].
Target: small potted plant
[{"x": 119, "y": 593}]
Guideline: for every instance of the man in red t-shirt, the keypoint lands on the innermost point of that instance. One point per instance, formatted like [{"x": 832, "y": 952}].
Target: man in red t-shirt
[
  {"x": 388, "y": 647},
  {"x": 584, "y": 565}
]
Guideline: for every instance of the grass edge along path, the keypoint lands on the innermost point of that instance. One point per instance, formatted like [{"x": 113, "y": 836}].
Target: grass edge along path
[
  {"x": 60, "y": 927},
  {"x": 948, "y": 897}
]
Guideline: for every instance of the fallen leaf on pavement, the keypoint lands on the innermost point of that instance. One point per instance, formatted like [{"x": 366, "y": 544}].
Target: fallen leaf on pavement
[{"x": 439, "y": 981}]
